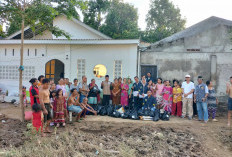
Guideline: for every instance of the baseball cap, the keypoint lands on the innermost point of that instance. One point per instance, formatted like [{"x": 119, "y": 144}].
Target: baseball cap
[{"x": 187, "y": 76}]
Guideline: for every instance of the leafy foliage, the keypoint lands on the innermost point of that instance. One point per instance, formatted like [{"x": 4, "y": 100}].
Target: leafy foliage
[
  {"x": 163, "y": 19},
  {"x": 39, "y": 14},
  {"x": 93, "y": 14},
  {"x": 121, "y": 21}
]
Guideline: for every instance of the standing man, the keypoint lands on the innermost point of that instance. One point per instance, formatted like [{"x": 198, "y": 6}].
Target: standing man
[
  {"x": 106, "y": 87},
  {"x": 83, "y": 88},
  {"x": 135, "y": 89},
  {"x": 40, "y": 79},
  {"x": 187, "y": 90},
  {"x": 229, "y": 92},
  {"x": 148, "y": 78},
  {"x": 200, "y": 98},
  {"x": 45, "y": 104}
]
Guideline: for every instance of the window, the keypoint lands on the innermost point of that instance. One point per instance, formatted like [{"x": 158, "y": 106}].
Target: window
[
  {"x": 5, "y": 52},
  {"x": 99, "y": 71},
  {"x": 11, "y": 72},
  {"x": 13, "y": 52},
  {"x": 28, "y": 52},
  {"x": 35, "y": 52},
  {"x": 117, "y": 68},
  {"x": 80, "y": 68}
]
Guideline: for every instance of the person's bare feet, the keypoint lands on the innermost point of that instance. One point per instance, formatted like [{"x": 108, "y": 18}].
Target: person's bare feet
[
  {"x": 47, "y": 131},
  {"x": 95, "y": 113},
  {"x": 63, "y": 124}
]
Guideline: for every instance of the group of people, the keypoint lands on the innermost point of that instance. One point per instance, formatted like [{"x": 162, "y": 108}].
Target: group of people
[{"x": 51, "y": 102}]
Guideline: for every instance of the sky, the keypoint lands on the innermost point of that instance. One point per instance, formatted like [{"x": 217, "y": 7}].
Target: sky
[{"x": 193, "y": 10}]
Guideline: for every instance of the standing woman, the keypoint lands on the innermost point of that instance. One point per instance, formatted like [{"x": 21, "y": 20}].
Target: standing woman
[
  {"x": 92, "y": 97},
  {"x": 130, "y": 96},
  {"x": 167, "y": 97},
  {"x": 34, "y": 91},
  {"x": 61, "y": 85},
  {"x": 212, "y": 101},
  {"x": 177, "y": 99},
  {"x": 59, "y": 108},
  {"x": 116, "y": 92},
  {"x": 124, "y": 93},
  {"x": 159, "y": 89}
]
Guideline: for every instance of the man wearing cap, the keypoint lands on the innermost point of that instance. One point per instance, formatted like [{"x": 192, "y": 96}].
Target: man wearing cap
[
  {"x": 200, "y": 97},
  {"x": 187, "y": 90}
]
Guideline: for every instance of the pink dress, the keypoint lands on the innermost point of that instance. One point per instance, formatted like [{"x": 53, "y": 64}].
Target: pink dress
[
  {"x": 159, "y": 97},
  {"x": 124, "y": 94},
  {"x": 167, "y": 99}
]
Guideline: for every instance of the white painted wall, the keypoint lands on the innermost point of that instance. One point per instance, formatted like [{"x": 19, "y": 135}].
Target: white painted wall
[{"x": 94, "y": 54}]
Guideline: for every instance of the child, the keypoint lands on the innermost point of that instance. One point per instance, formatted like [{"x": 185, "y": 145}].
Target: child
[
  {"x": 59, "y": 108},
  {"x": 212, "y": 101},
  {"x": 167, "y": 97},
  {"x": 52, "y": 99},
  {"x": 24, "y": 96},
  {"x": 177, "y": 99},
  {"x": 37, "y": 118}
]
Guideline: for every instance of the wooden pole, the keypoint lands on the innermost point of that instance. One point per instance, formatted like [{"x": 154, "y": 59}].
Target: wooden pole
[{"x": 21, "y": 65}]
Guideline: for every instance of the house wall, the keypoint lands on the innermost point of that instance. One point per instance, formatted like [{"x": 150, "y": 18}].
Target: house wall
[
  {"x": 68, "y": 54},
  {"x": 213, "y": 61}
]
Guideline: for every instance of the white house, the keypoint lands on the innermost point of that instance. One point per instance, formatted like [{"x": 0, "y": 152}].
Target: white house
[{"x": 89, "y": 53}]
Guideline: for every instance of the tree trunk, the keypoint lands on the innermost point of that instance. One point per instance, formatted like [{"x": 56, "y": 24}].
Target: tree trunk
[{"x": 21, "y": 72}]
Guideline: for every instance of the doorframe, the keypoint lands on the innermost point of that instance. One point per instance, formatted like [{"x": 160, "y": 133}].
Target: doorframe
[
  {"x": 149, "y": 65},
  {"x": 55, "y": 67}
]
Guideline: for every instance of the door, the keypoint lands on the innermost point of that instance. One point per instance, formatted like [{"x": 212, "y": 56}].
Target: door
[
  {"x": 149, "y": 69},
  {"x": 54, "y": 69}
]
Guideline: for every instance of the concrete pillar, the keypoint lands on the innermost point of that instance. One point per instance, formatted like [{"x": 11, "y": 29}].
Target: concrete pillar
[
  {"x": 67, "y": 64},
  {"x": 213, "y": 71}
]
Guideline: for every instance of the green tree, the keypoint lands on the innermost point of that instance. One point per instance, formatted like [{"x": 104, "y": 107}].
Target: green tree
[
  {"x": 93, "y": 14},
  {"x": 163, "y": 19},
  {"x": 121, "y": 21},
  {"x": 41, "y": 11},
  {"x": 39, "y": 15}
]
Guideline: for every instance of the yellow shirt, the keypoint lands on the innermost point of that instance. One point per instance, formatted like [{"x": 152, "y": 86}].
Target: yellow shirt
[{"x": 175, "y": 97}]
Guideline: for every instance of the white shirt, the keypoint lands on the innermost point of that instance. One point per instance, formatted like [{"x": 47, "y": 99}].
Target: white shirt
[{"x": 187, "y": 88}]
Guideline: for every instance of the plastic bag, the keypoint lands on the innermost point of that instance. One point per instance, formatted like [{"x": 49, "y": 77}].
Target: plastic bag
[{"x": 157, "y": 115}]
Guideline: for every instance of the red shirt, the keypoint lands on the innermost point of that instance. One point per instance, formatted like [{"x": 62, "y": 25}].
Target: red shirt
[{"x": 34, "y": 91}]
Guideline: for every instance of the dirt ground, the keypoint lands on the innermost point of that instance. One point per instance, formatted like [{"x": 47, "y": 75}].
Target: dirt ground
[{"x": 107, "y": 136}]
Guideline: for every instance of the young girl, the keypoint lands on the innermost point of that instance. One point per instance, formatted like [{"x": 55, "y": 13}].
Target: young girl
[
  {"x": 59, "y": 108},
  {"x": 153, "y": 89},
  {"x": 177, "y": 99},
  {"x": 37, "y": 118},
  {"x": 24, "y": 96},
  {"x": 167, "y": 97},
  {"x": 159, "y": 89},
  {"x": 52, "y": 99},
  {"x": 124, "y": 93},
  {"x": 212, "y": 101}
]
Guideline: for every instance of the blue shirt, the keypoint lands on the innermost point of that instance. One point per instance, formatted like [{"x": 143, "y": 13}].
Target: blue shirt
[
  {"x": 149, "y": 102},
  {"x": 136, "y": 86},
  {"x": 143, "y": 89}
]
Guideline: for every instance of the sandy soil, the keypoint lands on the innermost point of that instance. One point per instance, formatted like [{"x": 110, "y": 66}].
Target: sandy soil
[{"x": 177, "y": 137}]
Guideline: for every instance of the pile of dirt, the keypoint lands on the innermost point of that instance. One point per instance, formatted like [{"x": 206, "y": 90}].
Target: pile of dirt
[
  {"x": 143, "y": 140},
  {"x": 12, "y": 133}
]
